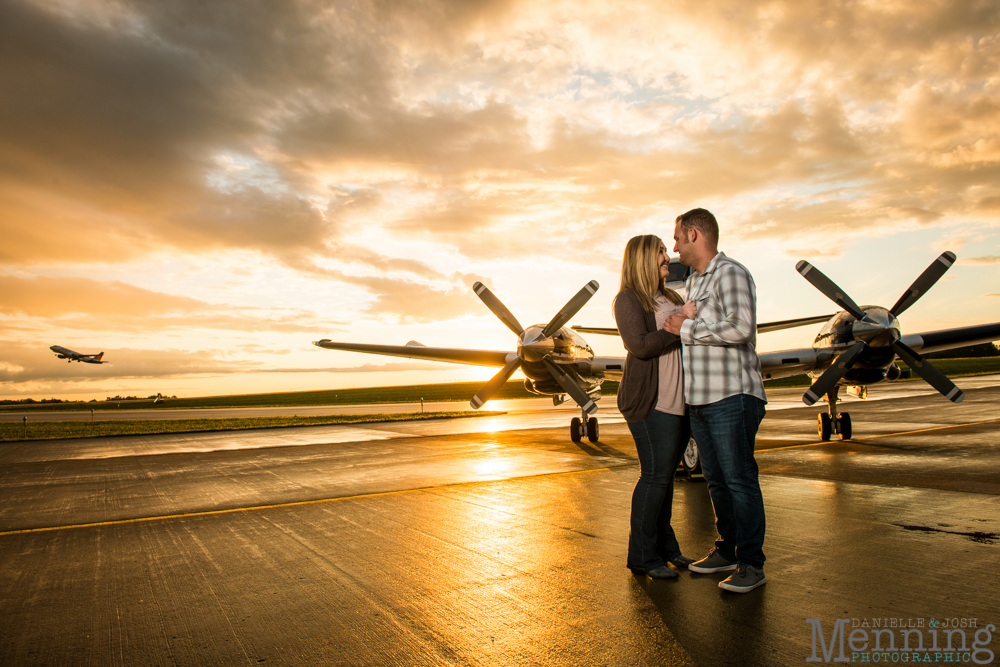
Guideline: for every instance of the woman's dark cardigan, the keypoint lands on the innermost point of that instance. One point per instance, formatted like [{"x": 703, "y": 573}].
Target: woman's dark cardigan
[{"x": 645, "y": 343}]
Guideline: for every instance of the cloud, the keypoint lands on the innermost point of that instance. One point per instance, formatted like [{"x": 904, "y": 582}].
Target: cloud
[
  {"x": 22, "y": 363},
  {"x": 87, "y": 304},
  {"x": 310, "y": 133},
  {"x": 367, "y": 368},
  {"x": 990, "y": 259}
]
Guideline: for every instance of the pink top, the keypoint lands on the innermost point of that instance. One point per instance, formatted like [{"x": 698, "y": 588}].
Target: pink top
[{"x": 670, "y": 393}]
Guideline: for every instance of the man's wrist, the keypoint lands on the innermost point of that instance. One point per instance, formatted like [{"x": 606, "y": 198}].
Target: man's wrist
[{"x": 687, "y": 328}]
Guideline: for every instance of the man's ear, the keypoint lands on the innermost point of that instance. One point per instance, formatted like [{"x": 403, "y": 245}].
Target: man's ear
[{"x": 692, "y": 235}]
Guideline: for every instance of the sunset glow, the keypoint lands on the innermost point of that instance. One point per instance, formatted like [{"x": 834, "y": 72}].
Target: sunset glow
[{"x": 201, "y": 189}]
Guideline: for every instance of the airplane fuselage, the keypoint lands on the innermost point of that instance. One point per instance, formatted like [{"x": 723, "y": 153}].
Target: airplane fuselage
[
  {"x": 875, "y": 362},
  {"x": 567, "y": 349},
  {"x": 71, "y": 356}
]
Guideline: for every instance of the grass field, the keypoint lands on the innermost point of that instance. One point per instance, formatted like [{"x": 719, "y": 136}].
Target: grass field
[
  {"x": 43, "y": 430},
  {"x": 458, "y": 391}
]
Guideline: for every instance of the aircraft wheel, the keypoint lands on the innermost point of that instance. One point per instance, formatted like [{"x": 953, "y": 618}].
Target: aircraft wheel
[
  {"x": 823, "y": 426},
  {"x": 845, "y": 426},
  {"x": 575, "y": 428},
  {"x": 691, "y": 459},
  {"x": 592, "y": 431}
]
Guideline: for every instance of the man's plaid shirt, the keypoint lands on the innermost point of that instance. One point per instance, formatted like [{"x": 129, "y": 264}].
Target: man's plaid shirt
[{"x": 720, "y": 356}]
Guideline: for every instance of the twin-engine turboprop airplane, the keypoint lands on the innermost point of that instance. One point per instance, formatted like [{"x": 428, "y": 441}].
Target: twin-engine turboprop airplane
[
  {"x": 856, "y": 348},
  {"x": 71, "y": 356}
]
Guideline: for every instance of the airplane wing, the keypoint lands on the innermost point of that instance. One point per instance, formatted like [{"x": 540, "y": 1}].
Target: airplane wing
[
  {"x": 791, "y": 324},
  {"x": 794, "y": 362},
  {"x": 947, "y": 339},
  {"x": 763, "y": 327},
  {"x": 418, "y": 351}
]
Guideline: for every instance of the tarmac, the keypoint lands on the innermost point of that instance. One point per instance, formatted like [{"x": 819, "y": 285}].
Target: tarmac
[{"x": 495, "y": 541}]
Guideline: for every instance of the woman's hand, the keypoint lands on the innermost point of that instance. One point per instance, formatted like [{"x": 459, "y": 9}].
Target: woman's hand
[{"x": 690, "y": 310}]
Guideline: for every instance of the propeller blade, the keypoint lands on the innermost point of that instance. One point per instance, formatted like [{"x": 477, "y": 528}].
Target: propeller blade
[
  {"x": 498, "y": 380},
  {"x": 832, "y": 375},
  {"x": 926, "y": 280},
  {"x": 571, "y": 308},
  {"x": 500, "y": 310},
  {"x": 571, "y": 388},
  {"x": 829, "y": 288},
  {"x": 931, "y": 375}
]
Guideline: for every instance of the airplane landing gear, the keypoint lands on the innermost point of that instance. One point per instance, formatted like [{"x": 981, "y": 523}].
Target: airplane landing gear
[
  {"x": 584, "y": 427},
  {"x": 834, "y": 422},
  {"x": 691, "y": 461}
]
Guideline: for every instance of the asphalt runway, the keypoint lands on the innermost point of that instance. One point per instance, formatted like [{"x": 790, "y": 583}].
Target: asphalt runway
[
  {"x": 491, "y": 541},
  {"x": 779, "y": 399}
]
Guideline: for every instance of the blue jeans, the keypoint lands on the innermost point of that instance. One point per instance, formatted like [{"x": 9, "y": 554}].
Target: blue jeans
[
  {"x": 660, "y": 440},
  {"x": 725, "y": 433}
]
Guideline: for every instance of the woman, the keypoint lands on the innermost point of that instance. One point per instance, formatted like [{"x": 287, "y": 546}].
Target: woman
[{"x": 651, "y": 398}]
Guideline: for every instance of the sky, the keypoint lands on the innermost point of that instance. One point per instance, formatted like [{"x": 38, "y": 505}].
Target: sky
[{"x": 201, "y": 189}]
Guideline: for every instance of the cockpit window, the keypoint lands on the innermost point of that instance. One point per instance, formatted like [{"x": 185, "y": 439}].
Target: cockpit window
[{"x": 678, "y": 272}]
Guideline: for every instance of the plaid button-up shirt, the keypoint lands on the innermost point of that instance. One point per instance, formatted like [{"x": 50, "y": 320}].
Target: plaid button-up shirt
[{"x": 720, "y": 356}]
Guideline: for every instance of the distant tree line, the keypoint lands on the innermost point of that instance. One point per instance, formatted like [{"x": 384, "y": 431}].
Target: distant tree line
[{"x": 981, "y": 350}]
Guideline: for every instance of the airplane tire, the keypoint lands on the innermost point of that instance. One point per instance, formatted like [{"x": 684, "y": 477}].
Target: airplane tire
[
  {"x": 575, "y": 427},
  {"x": 691, "y": 460},
  {"x": 823, "y": 426},
  {"x": 845, "y": 426},
  {"x": 592, "y": 431}
]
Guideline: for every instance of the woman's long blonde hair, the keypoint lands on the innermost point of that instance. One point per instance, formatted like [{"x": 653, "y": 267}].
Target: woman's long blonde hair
[{"x": 641, "y": 273}]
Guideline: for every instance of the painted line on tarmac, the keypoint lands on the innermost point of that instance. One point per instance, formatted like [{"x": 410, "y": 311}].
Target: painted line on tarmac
[
  {"x": 256, "y": 508},
  {"x": 883, "y": 435}
]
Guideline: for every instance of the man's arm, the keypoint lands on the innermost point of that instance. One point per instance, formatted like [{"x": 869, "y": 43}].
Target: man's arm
[{"x": 733, "y": 293}]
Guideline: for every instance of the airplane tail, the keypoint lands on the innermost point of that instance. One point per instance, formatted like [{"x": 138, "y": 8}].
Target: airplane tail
[{"x": 98, "y": 357}]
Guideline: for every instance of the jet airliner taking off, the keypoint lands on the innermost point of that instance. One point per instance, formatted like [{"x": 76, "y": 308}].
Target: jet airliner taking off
[
  {"x": 71, "y": 356},
  {"x": 855, "y": 348}
]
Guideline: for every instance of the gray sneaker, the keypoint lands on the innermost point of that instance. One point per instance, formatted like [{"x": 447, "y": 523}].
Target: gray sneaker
[
  {"x": 713, "y": 562},
  {"x": 744, "y": 579}
]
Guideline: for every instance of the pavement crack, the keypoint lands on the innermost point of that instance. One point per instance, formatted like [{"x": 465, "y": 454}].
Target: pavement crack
[{"x": 975, "y": 536}]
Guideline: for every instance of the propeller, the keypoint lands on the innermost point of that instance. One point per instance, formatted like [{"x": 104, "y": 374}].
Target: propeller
[
  {"x": 829, "y": 288},
  {"x": 538, "y": 342},
  {"x": 832, "y": 375},
  {"x": 876, "y": 324},
  {"x": 498, "y": 380},
  {"x": 500, "y": 310},
  {"x": 571, "y": 308},
  {"x": 931, "y": 375},
  {"x": 571, "y": 387},
  {"x": 926, "y": 280}
]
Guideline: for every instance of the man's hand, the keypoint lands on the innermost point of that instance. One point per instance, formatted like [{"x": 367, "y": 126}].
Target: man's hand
[
  {"x": 690, "y": 310},
  {"x": 674, "y": 322}
]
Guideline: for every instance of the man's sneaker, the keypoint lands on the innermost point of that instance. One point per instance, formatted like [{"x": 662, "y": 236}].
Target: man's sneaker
[
  {"x": 681, "y": 561},
  {"x": 744, "y": 579},
  {"x": 713, "y": 562}
]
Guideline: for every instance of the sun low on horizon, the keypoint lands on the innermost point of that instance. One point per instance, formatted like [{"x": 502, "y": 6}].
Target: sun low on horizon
[{"x": 200, "y": 190}]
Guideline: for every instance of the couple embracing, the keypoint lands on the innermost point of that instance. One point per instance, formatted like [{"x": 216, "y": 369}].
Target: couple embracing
[{"x": 692, "y": 369}]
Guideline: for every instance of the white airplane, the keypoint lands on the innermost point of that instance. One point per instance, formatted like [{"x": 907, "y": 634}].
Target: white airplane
[
  {"x": 71, "y": 356},
  {"x": 855, "y": 348}
]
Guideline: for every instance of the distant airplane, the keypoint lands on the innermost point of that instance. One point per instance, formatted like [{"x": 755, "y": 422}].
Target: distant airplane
[
  {"x": 856, "y": 348},
  {"x": 70, "y": 355}
]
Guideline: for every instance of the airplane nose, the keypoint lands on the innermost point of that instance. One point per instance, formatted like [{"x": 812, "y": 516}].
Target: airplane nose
[
  {"x": 536, "y": 350},
  {"x": 882, "y": 329}
]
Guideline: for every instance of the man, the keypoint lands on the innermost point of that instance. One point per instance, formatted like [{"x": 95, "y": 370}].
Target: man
[{"x": 725, "y": 395}]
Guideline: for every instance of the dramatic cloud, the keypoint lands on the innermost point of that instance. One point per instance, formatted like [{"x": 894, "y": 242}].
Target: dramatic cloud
[{"x": 287, "y": 167}]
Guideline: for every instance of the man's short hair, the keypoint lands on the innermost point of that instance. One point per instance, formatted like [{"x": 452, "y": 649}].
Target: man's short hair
[{"x": 701, "y": 220}]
